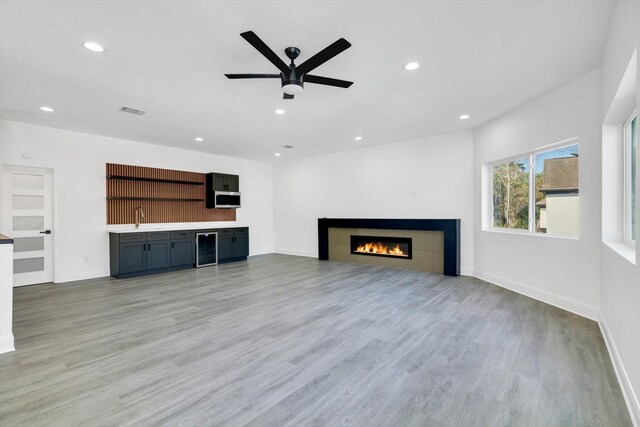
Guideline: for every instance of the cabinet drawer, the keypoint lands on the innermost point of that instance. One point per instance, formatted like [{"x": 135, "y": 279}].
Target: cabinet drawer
[
  {"x": 225, "y": 231},
  {"x": 162, "y": 235},
  {"x": 243, "y": 231},
  {"x": 133, "y": 237},
  {"x": 180, "y": 235}
]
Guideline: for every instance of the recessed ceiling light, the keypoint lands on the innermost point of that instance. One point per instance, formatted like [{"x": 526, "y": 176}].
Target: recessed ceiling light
[
  {"x": 198, "y": 139},
  {"x": 464, "y": 117},
  {"x": 94, "y": 47},
  {"x": 47, "y": 109},
  {"x": 358, "y": 138},
  {"x": 411, "y": 66},
  {"x": 277, "y": 154},
  {"x": 279, "y": 111}
]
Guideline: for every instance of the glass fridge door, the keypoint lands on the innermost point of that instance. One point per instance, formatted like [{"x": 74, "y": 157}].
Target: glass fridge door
[{"x": 207, "y": 249}]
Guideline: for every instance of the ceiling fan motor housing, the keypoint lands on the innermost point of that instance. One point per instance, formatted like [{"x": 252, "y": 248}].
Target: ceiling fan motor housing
[{"x": 292, "y": 84}]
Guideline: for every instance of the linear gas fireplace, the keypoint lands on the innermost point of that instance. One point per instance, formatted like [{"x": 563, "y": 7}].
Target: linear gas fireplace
[
  {"x": 431, "y": 245},
  {"x": 384, "y": 246}
]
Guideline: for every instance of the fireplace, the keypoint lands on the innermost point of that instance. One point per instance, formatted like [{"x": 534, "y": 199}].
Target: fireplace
[
  {"x": 435, "y": 243},
  {"x": 384, "y": 246}
]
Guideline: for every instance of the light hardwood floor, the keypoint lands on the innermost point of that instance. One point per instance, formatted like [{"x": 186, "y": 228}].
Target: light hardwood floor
[{"x": 283, "y": 340}]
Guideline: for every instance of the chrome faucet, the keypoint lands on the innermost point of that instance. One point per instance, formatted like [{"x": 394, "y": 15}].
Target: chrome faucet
[{"x": 139, "y": 214}]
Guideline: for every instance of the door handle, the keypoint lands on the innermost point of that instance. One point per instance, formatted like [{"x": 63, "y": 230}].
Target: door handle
[
  {"x": 45, "y": 232},
  {"x": 172, "y": 245}
]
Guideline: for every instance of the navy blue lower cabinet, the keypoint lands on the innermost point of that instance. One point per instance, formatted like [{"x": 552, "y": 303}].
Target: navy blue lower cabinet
[
  {"x": 233, "y": 244},
  {"x": 140, "y": 253},
  {"x": 158, "y": 254},
  {"x": 133, "y": 257},
  {"x": 241, "y": 247},
  {"x": 183, "y": 253},
  {"x": 225, "y": 248}
]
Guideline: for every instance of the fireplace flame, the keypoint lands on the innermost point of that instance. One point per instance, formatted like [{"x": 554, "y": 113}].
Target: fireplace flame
[{"x": 379, "y": 248}]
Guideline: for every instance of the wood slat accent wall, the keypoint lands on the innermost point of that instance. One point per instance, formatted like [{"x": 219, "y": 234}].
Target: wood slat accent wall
[{"x": 187, "y": 202}]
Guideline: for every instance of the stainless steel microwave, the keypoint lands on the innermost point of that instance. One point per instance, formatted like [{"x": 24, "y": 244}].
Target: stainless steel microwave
[{"x": 227, "y": 199}]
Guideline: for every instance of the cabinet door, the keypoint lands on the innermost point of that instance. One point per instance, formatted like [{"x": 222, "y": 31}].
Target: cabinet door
[
  {"x": 158, "y": 254},
  {"x": 241, "y": 247},
  {"x": 225, "y": 247},
  {"x": 232, "y": 183},
  {"x": 218, "y": 182},
  {"x": 133, "y": 257},
  {"x": 182, "y": 252}
]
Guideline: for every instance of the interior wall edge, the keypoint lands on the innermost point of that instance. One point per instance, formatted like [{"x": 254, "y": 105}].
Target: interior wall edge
[
  {"x": 630, "y": 397},
  {"x": 6, "y": 343},
  {"x": 573, "y": 306}
]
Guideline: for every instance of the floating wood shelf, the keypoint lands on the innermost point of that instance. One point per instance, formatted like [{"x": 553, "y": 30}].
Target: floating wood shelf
[
  {"x": 166, "y": 181},
  {"x": 155, "y": 199},
  {"x": 164, "y": 195}
]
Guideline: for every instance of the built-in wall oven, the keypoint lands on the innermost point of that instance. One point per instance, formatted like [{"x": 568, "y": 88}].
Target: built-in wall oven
[{"x": 206, "y": 249}]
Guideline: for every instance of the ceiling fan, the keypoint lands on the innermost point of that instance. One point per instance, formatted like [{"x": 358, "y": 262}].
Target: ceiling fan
[{"x": 293, "y": 77}]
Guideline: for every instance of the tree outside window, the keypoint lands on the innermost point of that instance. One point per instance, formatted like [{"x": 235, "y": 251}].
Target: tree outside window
[{"x": 511, "y": 194}]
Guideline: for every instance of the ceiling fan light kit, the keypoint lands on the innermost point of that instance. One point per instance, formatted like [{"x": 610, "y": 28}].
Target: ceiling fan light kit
[{"x": 292, "y": 76}]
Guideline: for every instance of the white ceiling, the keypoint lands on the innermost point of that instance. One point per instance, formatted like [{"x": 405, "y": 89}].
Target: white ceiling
[{"x": 168, "y": 57}]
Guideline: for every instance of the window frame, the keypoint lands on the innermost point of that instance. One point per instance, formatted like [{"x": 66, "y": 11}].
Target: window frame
[
  {"x": 626, "y": 180},
  {"x": 530, "y": 157}
]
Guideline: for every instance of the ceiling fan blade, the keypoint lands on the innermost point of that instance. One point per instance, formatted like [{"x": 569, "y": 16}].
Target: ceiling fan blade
[
  {"x": 253, "y": 76},
  {"x": 309, "y": 78},
  {"x": 261, "y": 47},
  {"x": 287, "y": 96},
  {"x": 323, "y": 56}
]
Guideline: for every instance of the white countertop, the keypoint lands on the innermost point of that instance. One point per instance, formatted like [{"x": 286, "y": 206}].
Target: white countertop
[{"x": 149, "y": 228}]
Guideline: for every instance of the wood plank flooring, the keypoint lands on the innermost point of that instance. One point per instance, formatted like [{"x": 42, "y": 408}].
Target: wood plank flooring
[{"x": 282, "y": 340}]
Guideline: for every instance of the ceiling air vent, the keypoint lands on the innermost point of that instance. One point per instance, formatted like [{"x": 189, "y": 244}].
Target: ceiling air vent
[
  {"x": 288, "y": 146},
  {"x": 132, "y": 111}
]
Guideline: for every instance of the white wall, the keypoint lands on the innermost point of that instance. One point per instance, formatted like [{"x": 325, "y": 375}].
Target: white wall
[
  {"x": 78, "y": 160},
  {"x": 620, "y": 279},
  {"x": 561, "y": 271},
  {"x": 6, "y": 298},
  {"x": 424, "y": 178}
]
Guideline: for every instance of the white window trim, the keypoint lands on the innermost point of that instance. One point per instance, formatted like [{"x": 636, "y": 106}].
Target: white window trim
[
  {"x": 530, "y": 156},
  {"x": 626, "y": 181}
]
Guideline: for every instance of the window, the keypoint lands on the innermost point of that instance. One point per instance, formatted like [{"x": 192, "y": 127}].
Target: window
[
  {"x": 538, "y": 192},
  {"x": 511, "y": 194},
  {"x": 630, "y": 178}
]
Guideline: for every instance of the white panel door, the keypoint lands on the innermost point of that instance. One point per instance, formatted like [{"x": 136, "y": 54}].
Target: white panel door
[{"x": 27, "y": 217}]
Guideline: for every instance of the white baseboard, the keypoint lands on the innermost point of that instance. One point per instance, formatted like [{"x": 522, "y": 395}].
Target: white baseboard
[
  {"x": 584, "y": 310},
  {"x": 83, "y": 275},
  {"x": 267, "y": 252},
  {"x": 296, "y": 253},
  {"x": 6, "y": 343},
  {"x": 630, "y": 396},
  {"x": 466, "y": 271}
]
